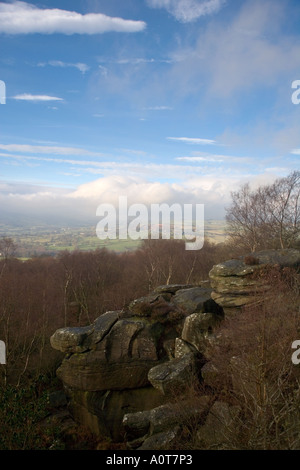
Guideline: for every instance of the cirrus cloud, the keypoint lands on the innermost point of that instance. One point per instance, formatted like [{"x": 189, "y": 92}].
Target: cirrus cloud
[
  {"x": 188, "y": 10},
  {"x": 30, "y": 97},
  {"x": 54, "y": 150},
  {"x": 83, "y": 68},
  {"x": 192, "y": 140}
]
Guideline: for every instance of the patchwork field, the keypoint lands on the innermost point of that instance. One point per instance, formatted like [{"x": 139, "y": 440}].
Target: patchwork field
[{"x": 45, "y": 240}]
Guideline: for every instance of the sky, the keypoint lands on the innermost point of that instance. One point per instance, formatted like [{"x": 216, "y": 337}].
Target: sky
[{"x": 161, "y": 101}]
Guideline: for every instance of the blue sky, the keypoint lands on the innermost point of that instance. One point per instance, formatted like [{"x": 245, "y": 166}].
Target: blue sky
[{"x": 158, "y": 100}]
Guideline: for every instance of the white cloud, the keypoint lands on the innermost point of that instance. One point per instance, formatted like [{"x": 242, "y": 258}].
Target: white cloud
[
  {"x": 199, "y": 159},
  {"x": 103, "y": 70},
  {"x": 52, "y": 204},
  {"x": 108, "y": 168},
  {"x": 47, "y": 150},
  {"x": 134, "y": 61},
  {"x": 23, "y": 18},
  {"x": 158, "y": 108},
  {"x": 198, "y": 163},
  {"x": 30, "y": 97},
  {"x": 205, "y": 157},
  {"x": 188, "y": 10},
  {"x": 83, "y": 68},
  {"x": 205, "y": 190},
  {"x": 245, "y": 52},
  {"x": 191, "y": 140}
]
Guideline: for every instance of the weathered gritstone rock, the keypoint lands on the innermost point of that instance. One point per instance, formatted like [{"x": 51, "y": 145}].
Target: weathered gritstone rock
[
  {"x": 145, "y": 429},
  {"x": 236, "y": 282},
  {"x": 136, "y": 425},
  {"x": 103, "y": 412},
  {"x": 144, "y": 305},
  {"x": 172, "y": 288},
  {"x": 113, "y": 359},
  {"x": 182, "y": 348},
  {"x": 195, "y": 299},
  {"x": 108, "y": 362},
  {"x": 176, "y": 375},
  {"x": 162, "y": 440},
  {"x": 121, "y": 360},
  {"x": 197, "y": 328},
  {"x": 81, "y": 339}
]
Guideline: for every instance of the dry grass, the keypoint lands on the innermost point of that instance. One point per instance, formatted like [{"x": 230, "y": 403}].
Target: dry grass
[{"x": 256, "y": 371}]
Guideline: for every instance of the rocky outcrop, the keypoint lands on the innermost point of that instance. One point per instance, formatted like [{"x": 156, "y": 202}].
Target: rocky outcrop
[
  {"x": 135, "y": 359},
  {"x": 173, "y": 376},
  {"x": 237, "y": 282},
  {"x": 126, "y": 375},
  {"x": 161, "y": 426}
]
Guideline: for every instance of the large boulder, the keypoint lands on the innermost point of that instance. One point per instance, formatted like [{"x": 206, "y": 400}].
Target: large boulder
[
  {"x": 81, "y": 339},
  {"x": 198, "y": 327},
  {"x": 148, "y": 429},
  {"x": 103, "y": 412},
  {"x": 106, "y": 366},
  {"x": 133, "y": 360},
  {"x": 174, "y": 376},
  {"x": 120, "y": 360},
  {"x": 195, "y": 299},
  {"x": 237, "y": 282}
]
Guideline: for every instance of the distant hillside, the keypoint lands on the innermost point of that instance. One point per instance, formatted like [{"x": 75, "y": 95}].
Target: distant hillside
[{"x": 34, "y": 239}]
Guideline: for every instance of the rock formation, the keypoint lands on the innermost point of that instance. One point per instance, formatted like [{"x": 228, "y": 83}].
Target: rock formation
[
  {"x": 122, "y": 372},
  {"x": 132, "y": 360},
  {"x": 237, "y": 282}
]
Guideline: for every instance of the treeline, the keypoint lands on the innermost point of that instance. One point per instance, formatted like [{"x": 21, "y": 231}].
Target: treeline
[{"x": 42, "y": 294}]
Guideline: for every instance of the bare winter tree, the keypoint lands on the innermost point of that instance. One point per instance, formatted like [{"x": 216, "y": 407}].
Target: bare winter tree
[
  {"x": 243, "y": 219},
  {"x": 268, "y": 217},
  {"x": 7, "y": 250},
  {"x": 7, "y": 247},
  {"x": 283, "y": 208}
]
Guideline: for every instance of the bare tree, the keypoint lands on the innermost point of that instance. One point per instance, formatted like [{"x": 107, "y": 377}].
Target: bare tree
[
  {"x": 243, "y": 219},
  {"x": 283, "y": 208},
  {"x": 268, "y": 217},
  {"x": 7, "y": 247},
  {"x": 7, "y": 250}
]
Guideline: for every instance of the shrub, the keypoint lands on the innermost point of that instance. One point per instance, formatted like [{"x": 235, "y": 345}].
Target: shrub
[
  {"x": 253, "y": 357},
  {"x": 21, "y": 413}
]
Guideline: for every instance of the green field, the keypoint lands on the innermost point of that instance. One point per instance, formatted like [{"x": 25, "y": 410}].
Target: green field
[{"x": 45, "y": 240}]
